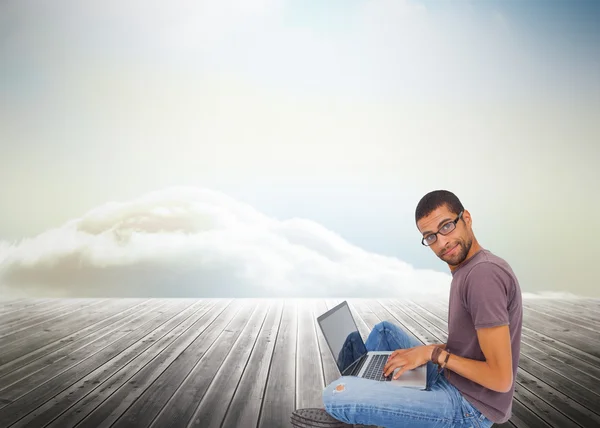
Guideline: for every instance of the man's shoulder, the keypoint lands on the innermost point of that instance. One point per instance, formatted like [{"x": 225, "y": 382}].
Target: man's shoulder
[
  {"x": 490, "y": 272},
  {"x": 487, "y": 263}
]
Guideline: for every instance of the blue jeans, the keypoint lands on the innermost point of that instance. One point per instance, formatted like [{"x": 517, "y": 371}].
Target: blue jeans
[{"x": 361, "y": 401}]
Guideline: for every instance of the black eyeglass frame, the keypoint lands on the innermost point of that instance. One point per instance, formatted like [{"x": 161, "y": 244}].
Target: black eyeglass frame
[{"x": 439, "y": 231}]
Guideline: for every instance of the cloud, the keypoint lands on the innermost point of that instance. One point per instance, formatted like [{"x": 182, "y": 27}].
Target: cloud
[
  {"x": 560, "y": 295},
  {"x": 184, "y": 241}
]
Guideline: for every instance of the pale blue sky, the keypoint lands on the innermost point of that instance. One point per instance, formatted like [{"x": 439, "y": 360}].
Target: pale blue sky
[{"x": 341, "y": 112}]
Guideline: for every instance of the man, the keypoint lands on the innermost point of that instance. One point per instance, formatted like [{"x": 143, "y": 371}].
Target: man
[{"x": 471, "y": 378}]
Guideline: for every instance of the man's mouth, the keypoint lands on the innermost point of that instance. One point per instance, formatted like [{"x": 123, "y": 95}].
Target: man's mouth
[{"x": 451, "y": 251}]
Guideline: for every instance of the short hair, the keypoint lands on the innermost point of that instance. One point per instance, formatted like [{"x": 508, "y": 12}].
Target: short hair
[{"x": 435, "y": 199}]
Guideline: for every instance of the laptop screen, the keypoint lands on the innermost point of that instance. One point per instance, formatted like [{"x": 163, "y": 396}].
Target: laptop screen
[{"x": 342, "y": 336}]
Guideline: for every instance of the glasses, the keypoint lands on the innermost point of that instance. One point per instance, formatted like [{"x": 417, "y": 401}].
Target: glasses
[{"x": 444, "y": 230}]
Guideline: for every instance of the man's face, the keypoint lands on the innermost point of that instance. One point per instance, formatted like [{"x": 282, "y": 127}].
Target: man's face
[{"x": 454, "y": 247}]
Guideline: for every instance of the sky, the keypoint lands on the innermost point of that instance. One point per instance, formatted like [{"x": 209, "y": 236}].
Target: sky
[{"x": 270, "y": 147}]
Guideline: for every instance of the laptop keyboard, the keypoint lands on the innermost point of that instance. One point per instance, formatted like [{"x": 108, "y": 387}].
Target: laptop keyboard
[{"x": 375, "y": 369}]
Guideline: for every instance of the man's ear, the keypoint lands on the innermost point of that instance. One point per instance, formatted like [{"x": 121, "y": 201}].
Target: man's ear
[{"x": 467, "y": 216}]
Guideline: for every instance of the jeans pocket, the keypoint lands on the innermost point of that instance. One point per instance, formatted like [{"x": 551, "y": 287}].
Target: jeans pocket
[{"x": 471, "y": 413}]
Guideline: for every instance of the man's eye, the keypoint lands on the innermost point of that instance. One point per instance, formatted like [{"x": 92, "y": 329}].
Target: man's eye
[
  {"x": 430, "y": 238},
  {"x": 446, "y": 226}
]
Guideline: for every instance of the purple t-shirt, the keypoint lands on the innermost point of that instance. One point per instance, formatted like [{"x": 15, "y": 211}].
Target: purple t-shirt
[{"x": 484, "y": 293}]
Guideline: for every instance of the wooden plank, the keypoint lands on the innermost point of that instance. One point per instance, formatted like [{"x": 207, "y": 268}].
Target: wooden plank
[
  {"x": 524, "y": 417},
  {"x": 396, "y": 312},
  {"x": 27, "y": 396},
  {"x": 82, "y": 397},
  {"x": 12, "y": 307},
  {"x": 67, "y": 353},
  {"x": 50, "y": 409},
  {"x": 214, "y": 404},
  {"x": 557, "y": 381},
  {"x": 59, "y": 330},
  {"x": 556, "y": 357},
  {"x": 149, "y": 377},
  {"x": 565, "y": 312},
  {"x": 59, "y": 348},
  {"x": 309, "y": 372},
  {"x": 247, "y": 401},
  {"x": 580, "y": 415},
  {"x": 172, "y": 399},
  {"x": 10, "y": 300},
  {"x": 42, "y": 338},
  {"x": 584, "y": 339},
  {"x": 587, "y": 305},
  {"x": 582, "y": 378},
  {"x": 280, "y": 395},
  {"x": 409, "y": 308},
  {"x": 62, "y": 313},
  {"x": 539, "y": 338},
  {"x": 15, "y": 319},
  {"x": 220, "y": 358}
]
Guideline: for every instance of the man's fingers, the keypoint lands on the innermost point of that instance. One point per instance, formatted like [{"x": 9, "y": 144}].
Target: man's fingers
[
  {"x": 391, "y": 366},
  {"x": 401, "y": 371},
  {"x": 397, "y": 352},
  {"x": 397, "y": 375},
  {"x": 392, "y": 362}
]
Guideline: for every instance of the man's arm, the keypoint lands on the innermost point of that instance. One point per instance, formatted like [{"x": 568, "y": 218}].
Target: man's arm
[{"x": 495, "y": 372}]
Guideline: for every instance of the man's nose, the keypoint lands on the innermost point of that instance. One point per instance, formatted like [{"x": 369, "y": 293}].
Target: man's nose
[{"x": 442, "y": 241}]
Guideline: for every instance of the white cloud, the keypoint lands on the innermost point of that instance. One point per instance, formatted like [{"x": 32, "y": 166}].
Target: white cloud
[
  {"x": 185, "y": 241},
  {"x": 560, "y": 295}
]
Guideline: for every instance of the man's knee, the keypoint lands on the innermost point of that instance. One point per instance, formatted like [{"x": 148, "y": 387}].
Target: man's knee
[
  {"x": 385, "y": 325},
  {"x": 335, "y": 397},
  {"x": 331, "y": 391}
]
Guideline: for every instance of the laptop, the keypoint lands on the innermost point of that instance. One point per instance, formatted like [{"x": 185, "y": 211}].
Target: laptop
[{"x": 351, "y": 356}]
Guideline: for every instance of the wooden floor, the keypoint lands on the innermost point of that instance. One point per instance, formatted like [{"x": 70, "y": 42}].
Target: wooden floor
[{"x": 234, "y": 363}]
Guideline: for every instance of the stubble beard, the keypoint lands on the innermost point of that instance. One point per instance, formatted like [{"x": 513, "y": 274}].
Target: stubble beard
[{"x": 460, "y": 253}]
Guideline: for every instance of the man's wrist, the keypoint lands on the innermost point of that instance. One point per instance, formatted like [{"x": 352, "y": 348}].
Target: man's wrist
[{"x": 444, "y": 359}]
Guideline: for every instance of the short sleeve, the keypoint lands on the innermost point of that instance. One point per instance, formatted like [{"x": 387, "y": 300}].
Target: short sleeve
[{"x": 486, "y": 295}]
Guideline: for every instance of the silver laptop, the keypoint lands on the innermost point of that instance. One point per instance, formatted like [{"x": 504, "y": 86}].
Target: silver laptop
[{"x": 351, "y": 356}]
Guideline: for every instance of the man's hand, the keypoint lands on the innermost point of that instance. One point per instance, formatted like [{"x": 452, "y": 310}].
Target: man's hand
[{"x": 407, "y": 359}]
